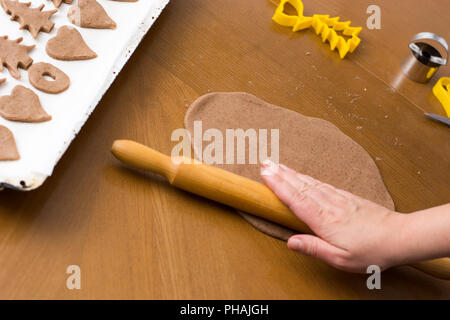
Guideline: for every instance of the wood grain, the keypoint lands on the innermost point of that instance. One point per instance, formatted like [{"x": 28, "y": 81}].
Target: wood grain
[{"x": 134, "y": 236}]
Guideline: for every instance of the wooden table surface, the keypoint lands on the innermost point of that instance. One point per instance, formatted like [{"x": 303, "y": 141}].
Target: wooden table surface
[{"x": 136, "y": 237}]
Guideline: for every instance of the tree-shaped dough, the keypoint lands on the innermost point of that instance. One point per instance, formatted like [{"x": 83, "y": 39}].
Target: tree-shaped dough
[
  {"x": 57, "y": 3},
  {"x": 14, "y": 55},
  {"x": 32, "y": 19}
]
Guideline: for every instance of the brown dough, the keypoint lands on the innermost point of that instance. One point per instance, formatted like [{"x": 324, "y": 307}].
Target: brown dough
[
  {"x": 309, "y": 145},
  {"x": 14, "y": 55},
  {"x": 32, "y": 19},
  {"x": 37, "y": 73},
  {"x": 57, "y": 3},
  {"x": 90, "y": 14},
  {"x": 69, "y": 45},
  {"x": 22, "y": 105},
  {"x": 2, "y": 81},
  {"x": 8, "y": 148}
]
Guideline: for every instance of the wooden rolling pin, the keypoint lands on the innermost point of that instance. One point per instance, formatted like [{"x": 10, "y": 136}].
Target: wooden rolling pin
[{"x": 230, "y": 189}]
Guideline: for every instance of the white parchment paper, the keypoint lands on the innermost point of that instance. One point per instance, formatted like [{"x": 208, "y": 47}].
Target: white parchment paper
[{"x": 42, "y": 145}]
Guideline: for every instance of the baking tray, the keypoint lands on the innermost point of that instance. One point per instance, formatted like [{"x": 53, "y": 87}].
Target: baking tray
[{"x": 42, "y": 145}]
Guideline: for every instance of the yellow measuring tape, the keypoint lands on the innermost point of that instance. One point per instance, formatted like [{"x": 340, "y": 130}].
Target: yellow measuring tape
[
  {"x": 322, "y": 24},
  {"x": 442, "y": 91}
]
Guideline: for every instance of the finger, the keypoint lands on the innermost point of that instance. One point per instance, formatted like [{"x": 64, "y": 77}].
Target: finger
[
  {"x": 302, "y": 180},
  {"x": 315, "y": 247},
  {"x": 281, "y": 187},
  {"x": 344, "y": 195},
  {"x": 294, "y": 179},
  {"x": 324, "y": 194},
  {"x": 328, "y": 197},
  {"x": 303, "y": 206}
]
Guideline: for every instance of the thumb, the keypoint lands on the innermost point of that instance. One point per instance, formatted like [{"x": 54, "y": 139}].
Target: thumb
[{"x": 315, "y": 247}]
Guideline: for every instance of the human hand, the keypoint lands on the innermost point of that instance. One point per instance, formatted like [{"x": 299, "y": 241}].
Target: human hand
[{"x": 351, "y": 233}]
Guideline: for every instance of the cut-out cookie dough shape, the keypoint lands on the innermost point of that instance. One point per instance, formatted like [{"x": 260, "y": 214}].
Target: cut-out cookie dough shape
[
  {"x": 68, "y": 45},
  {"x": 8, "y": 148},
  {"x": 38, "y": 72},
  {"x": 32, "y": 19},
  {"x": 23, "y": 105},
  {"x": 14, "y": 55},
  {"x": 90, "y": 14},
  {"x": 57, "y": 3}
]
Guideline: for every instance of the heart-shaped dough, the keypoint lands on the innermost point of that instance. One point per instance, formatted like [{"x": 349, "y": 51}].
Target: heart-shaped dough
[
  {"x": 8, "y": 148},
  {"x": 90, "y": 14},
  {"x": 23, "y": 105},
  {"x": 69, "y": 45}
]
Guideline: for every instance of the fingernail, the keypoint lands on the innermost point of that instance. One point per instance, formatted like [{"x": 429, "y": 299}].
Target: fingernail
[
  {"x": 267, "y": 163},
  {"x": 266, "y": 172},
  {"x": 297, "y": 244},
  {"x": 271, "y": 166}
]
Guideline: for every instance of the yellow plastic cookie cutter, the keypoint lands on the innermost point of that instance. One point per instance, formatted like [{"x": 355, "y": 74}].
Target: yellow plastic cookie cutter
[
  {"x": 287, "y": 20},
  {"x": 322, "y": 24},
  {"x": 442, "y": 91}
]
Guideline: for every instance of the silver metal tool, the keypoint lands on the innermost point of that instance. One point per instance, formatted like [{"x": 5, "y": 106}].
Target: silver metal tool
[
  {"x": 438, "y": 118},
  {"x": 424, "y": 59}
]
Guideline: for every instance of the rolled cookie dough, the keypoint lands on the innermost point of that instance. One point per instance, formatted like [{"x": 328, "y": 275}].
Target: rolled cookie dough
[
  {"x": 57, "y": 3},
  {"x": 23, "y": 105},
  {"x": 309, "y": 145},
  {"x": 13, "y": 55},
  {"x": 34, "y": 20},
  {"x": 8, "y": 148},
  {"x": 37, "y": 73},
  {"x": 68, "y": 45},
  {"x": 90, "y": 14}
]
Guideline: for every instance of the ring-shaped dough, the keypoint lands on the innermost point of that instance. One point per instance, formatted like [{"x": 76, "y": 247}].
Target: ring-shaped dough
[{"x": 37, "y": 73}]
